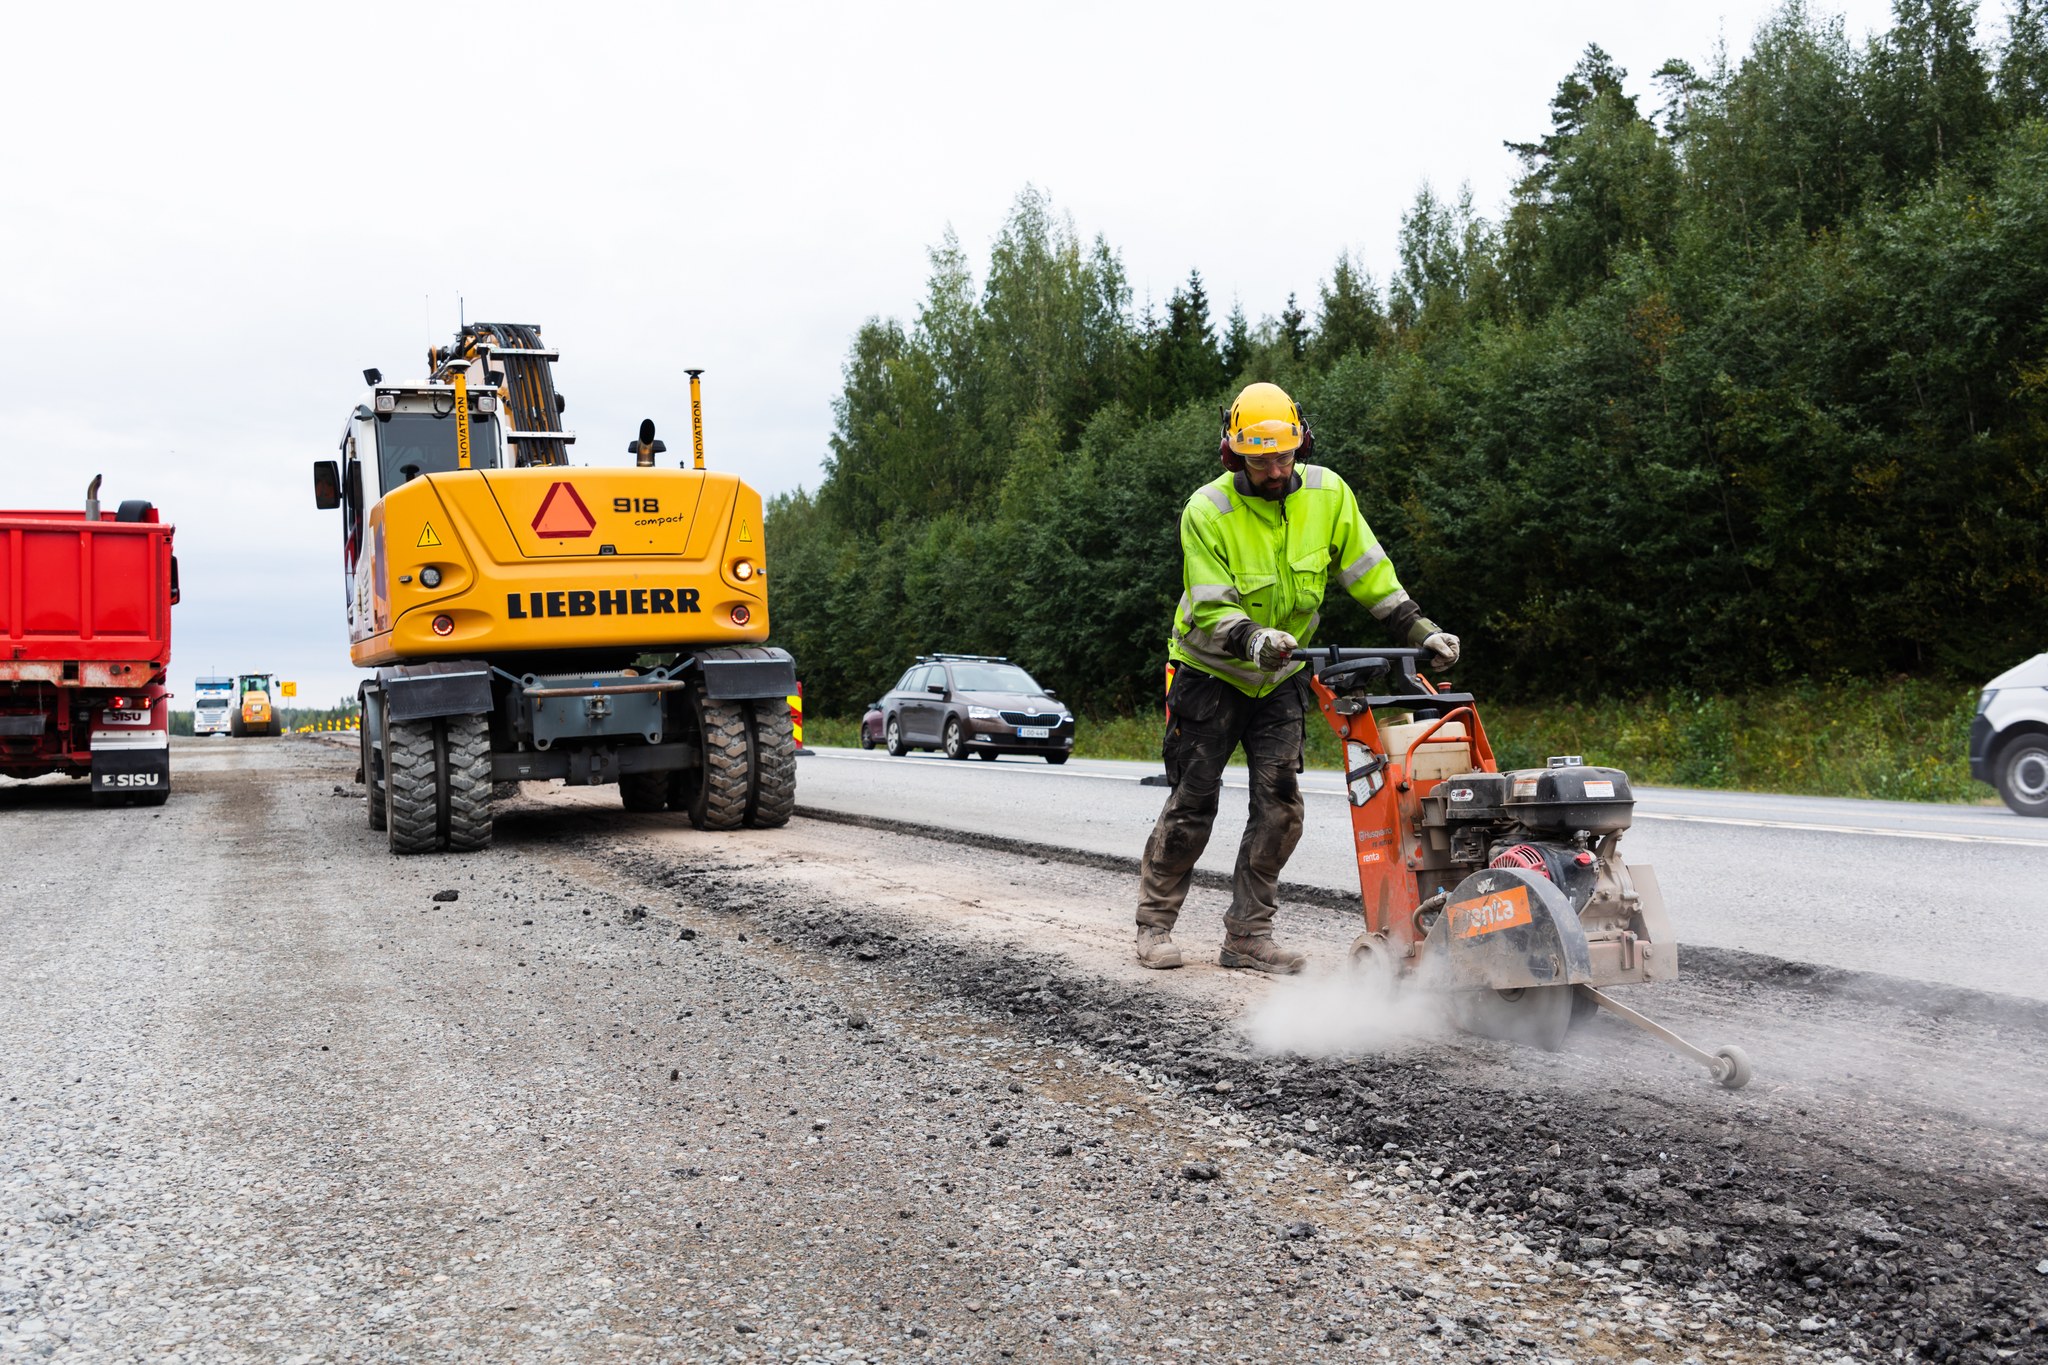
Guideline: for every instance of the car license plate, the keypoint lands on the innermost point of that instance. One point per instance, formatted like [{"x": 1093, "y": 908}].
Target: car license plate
[{"x": 1033, "y": 732}]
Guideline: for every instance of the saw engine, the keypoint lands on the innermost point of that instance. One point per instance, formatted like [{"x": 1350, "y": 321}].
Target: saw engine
[
  {"x": 1562, "y": 825},
  {"x": 1506, "y": 891}
]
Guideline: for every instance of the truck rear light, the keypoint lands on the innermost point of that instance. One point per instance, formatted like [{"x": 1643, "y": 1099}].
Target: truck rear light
[
  {"x": 444, "y": 624},
  {"x": 743, "y": 569},
  {"x": 430, "y": 577},
  {"x": 741, "y": 614},
  {"x": 118, "y": 703}
]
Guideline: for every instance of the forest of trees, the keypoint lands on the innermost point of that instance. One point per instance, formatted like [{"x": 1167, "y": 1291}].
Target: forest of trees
[{"x": 1747, "y": 382}]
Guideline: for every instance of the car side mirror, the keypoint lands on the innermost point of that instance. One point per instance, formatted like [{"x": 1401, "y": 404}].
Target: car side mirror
[
  {"x": 1048, "y": 691},
  {"x": 937, "y": 689},
  {"x": 326, "y": 485}
]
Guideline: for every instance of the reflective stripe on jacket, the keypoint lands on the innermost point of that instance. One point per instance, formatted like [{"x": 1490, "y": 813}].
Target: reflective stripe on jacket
[{"x": 1267, "y": 562}]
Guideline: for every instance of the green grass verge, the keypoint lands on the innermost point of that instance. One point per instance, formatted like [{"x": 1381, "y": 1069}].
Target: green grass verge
[{"x": 1903, "y": 741}]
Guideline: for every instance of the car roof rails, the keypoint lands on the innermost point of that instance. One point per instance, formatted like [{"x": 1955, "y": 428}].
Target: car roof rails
[{"x": 963, "y": 658}]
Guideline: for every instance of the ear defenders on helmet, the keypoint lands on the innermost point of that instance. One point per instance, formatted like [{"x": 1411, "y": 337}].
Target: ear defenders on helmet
[{"x": 1232, "y": 461}]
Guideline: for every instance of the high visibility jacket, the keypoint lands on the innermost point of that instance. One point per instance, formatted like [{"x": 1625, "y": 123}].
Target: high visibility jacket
[{"x": 1248, "y": 562}]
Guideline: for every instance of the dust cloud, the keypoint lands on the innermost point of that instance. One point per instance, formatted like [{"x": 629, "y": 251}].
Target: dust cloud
[{"x": 1343, "y": 1012}]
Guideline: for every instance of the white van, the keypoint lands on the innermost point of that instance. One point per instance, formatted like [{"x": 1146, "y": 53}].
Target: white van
[{"x": 2009, "y": 737}]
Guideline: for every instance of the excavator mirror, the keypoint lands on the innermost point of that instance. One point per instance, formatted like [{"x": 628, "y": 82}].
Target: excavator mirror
[
  {"x": 326, "y": 485},
  {"x": 373, "y": 376}
]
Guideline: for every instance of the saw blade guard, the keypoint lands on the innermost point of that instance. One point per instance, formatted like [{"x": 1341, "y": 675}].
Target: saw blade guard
[{"x": 1504, "y": 928}]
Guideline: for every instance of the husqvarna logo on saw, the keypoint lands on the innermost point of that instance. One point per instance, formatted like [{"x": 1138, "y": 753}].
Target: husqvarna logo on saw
[
  {"x": 562, "y": 515},
  {"x": 1491, "y": 913}
]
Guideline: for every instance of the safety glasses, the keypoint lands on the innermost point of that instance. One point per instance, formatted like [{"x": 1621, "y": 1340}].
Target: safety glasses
[{"x": 1262, "y": 463}]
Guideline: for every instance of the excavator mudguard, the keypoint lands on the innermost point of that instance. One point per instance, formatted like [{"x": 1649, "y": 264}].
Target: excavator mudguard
[
  {"x": 445, "y": 687},
  {"x": 1505, "y": 928},
  {"x": 747, "y": 672}
]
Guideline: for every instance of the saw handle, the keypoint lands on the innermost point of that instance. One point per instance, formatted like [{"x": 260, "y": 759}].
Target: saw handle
[
  {"x": 1352, "y": 668},
  {"x": 1335, "y": 666}
]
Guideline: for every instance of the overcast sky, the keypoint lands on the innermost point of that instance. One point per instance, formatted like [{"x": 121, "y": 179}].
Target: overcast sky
[{"x": 213, "y": 218}]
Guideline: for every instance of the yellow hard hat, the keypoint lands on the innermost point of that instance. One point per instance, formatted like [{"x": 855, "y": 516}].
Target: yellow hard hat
[{"x": 1263, "y": 422}]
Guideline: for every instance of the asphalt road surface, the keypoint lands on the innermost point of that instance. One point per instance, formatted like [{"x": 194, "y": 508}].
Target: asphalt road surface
[
  {"x": 618, "y": 1089},
  {"x": 1950, "y": 894}
]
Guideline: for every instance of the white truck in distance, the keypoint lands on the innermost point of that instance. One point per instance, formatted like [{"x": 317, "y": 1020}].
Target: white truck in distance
[{"x": 211, "y": 699}]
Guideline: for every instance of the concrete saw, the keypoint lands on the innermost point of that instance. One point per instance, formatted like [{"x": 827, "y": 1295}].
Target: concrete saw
[{"x": 1506, "y": 892}]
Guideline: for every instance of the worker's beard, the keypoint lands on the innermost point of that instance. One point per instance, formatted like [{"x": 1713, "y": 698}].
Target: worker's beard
[{"x": 1272, "y": 487}]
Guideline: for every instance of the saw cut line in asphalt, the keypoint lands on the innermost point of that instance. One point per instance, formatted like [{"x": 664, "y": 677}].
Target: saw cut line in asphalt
[
  {"x": 1845, "y": 829},
  {"x": 1234, "y": 779}
]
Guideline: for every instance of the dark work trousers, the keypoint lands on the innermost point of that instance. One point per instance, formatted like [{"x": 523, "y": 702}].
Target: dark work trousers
[{"x": 1209, "y": 720}]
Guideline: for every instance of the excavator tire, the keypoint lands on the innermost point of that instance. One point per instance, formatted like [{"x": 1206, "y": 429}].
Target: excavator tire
[
  {"x": 412, "y": 791},
  {"x": 643, "y": 791},
  {"x": 466, "y": 760},
  {"x": 372, "y": 778},
  {"x": 715, "y": 794},
  {"x": 771, "y": 796}
]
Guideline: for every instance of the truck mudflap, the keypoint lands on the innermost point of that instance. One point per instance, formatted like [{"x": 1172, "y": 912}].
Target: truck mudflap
[
  {"x": 449, "y": 687},
  {"x": 1504, "y": 928},
  {"x": 131, "y": 771},
  {"x": 747, "y": 672}
]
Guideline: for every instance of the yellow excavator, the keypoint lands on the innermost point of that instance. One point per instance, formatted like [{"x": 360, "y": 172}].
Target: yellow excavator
[{"x": 526, "y": 619}]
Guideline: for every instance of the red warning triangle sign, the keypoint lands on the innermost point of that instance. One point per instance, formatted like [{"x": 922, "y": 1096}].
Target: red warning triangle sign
[{"x": 562, "y": 515}]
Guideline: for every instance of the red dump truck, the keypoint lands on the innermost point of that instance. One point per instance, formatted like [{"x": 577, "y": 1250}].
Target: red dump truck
[{"x": 85, "y": 639}]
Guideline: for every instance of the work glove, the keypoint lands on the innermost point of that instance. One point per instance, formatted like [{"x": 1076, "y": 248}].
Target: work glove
[
  {"x": 1269, "y": 648},
  {"x": 1443, "y": 649}
]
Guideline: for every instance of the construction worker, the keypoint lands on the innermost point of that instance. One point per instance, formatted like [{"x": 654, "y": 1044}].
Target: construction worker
[{"x": 1258, "y": 546}]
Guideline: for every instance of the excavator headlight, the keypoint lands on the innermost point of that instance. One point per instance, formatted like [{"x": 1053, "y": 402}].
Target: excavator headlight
[
  {"x": 387, "y": 402},
  {"x": 742, "y": 614},
  {"x": 486, "y": 404},
  {"x": 743, "y": 569},
  {"x": 430, "y": 577}
]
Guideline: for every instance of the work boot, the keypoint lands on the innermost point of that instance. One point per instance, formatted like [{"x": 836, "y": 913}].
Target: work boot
[
  {"x": 1155, "y": 949},
  {"x": 1261, "y": 954}
]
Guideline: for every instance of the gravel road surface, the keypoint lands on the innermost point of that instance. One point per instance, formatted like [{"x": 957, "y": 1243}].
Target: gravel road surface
[
  {"x": 1950, "y": 894},
  {"x": 844, "y": 1093}
]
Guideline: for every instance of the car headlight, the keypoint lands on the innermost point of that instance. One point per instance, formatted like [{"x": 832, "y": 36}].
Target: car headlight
[
  {"x": 1066, "y": 718},
  {"x": 982, "y": 713},
  {"x": 1984, "y": 701}
]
